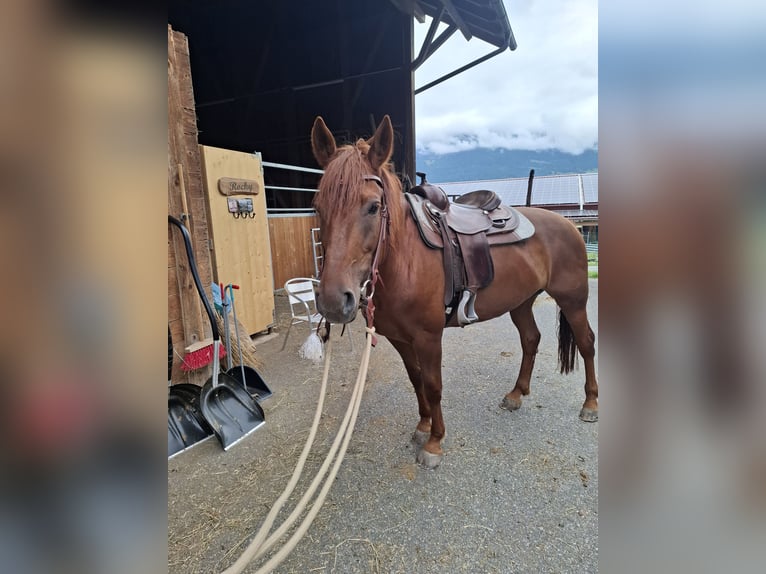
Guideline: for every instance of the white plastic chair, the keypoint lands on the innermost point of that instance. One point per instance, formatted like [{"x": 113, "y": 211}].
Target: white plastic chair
[{"x": 303, "y": 305}]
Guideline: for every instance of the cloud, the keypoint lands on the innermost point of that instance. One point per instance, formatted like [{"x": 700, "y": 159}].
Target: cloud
[{"x": 543, "y": 95}]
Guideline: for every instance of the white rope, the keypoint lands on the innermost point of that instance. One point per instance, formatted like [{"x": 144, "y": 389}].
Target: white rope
[
  {"x": 258, "y": 547},
  {"x": 250, "y": 552}
]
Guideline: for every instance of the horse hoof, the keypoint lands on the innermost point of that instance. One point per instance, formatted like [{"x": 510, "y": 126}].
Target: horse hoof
[
  {"x": 420, "y": 437},
  {"x": 510, "y": 404},
  {"x": 588, "y": 415},
  {"x": 428, "y": 460}
]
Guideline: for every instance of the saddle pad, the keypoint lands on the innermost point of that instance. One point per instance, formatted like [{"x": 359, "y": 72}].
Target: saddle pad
[{"x": 431, "y": 236}]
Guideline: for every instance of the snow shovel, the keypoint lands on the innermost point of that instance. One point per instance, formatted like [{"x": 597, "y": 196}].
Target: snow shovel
[
  {"x": 247, "y": 376},
  {"x": 186, "y": 424},
  {"x": 226, "y": 405},
  {"x": 237, "y": 373}
]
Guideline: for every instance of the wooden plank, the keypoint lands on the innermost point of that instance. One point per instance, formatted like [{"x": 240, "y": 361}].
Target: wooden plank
[
  {"x": 192, "y": 320},
  {"x": 241, "y": 247},
  {"x": 291, "y": 252},
  {"x": 171, "y": 252},
  {"x": 192, "y": 164},
  {"x": 177, "y": 374},
  {"x": 185, "y": 313},
  {"x": 174, "y": 298}
]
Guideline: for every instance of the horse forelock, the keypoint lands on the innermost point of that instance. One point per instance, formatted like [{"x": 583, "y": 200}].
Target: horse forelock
[{"x": 342, "y": 182}]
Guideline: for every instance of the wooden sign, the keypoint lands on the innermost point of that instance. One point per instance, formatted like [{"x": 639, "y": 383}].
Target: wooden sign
[{"x": 235, "y": 186}]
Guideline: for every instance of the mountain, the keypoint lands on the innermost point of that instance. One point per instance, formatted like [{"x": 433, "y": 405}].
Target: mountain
[{"x": 483, "y": 163}]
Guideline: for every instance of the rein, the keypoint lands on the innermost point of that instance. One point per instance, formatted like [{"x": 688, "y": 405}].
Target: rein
[
  {"x": 368, "y": 288},
  {"x": 260, "y": 543}
]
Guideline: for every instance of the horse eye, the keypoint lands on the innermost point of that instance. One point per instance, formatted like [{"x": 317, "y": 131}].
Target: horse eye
[{"x": 373, "y": 209}]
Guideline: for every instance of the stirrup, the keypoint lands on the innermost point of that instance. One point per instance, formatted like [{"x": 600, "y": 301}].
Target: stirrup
[{"x": 466, "y": 314}]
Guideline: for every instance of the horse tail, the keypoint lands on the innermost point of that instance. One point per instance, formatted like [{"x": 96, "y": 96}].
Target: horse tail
[{"x": 567, "y": 347}]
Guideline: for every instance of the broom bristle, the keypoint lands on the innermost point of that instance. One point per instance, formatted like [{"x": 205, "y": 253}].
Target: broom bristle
[
  {"x": 248, "y": 348},
  {"x": 200, "y": 358}
]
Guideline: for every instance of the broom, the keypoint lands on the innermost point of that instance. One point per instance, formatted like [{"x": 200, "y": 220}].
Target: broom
[
  {"x": 247, "y": 350},
  {"x": 200, "y": 354}
]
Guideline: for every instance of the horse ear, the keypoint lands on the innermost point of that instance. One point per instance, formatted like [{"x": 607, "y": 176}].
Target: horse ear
[
  {"x": 322, "y": 142},
  {"x": 382, "y": 144}
]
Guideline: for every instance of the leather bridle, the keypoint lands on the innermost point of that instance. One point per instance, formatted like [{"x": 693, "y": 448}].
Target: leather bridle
[{"x": 368, "y": 287}]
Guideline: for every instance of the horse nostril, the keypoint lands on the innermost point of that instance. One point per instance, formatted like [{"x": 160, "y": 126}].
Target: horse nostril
[{"x": 349, "y": 302}]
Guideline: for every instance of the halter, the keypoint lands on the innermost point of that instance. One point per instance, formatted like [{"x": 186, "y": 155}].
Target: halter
[{"x": 368, "y": 288}]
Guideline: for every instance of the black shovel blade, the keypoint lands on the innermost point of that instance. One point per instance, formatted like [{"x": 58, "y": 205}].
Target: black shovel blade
[
  {"x": 175, "y": 440},
  {"x": 255, "y": 384},
  {"x": 230, "y": 410},
  {"x": 191, "y": 394},
  {"x": 185, "y": 425}
]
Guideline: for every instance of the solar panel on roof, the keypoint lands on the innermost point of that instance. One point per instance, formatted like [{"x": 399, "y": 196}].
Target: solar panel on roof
[
  {"x": 556, "y": 190},
  {"x": 546, "y": 190},
  {"x": 590, "y": 187}
]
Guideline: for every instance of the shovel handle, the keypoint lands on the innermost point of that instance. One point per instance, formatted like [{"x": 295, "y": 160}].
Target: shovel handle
[{"x": 236, "y": 330}]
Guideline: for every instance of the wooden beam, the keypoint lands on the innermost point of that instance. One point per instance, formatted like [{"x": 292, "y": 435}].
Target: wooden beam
[
  {"x": 185, "y": 195},
  {"x": 457, "y": 19},
  {"x": 412, "y": 8}
]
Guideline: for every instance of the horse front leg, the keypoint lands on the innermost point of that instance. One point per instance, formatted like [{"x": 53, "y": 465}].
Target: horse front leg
[
  {"x": 411, "y": 363},
  {"x": 429, "y": 353}
]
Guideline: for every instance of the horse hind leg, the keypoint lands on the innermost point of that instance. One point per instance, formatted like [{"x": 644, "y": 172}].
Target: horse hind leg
[
  {"x": 411, "y": 363},
  {"x": 524, "y": 319},
  {"x": 574, "y": 327}
]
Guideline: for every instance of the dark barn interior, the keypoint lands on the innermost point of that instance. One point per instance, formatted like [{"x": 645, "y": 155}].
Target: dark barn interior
[{"x": 262, "y": 71}]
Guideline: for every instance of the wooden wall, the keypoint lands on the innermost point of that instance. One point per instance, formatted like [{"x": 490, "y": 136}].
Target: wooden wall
[
  {"x": 186, "y": 318},
  {"x": 291, "y": 252}
]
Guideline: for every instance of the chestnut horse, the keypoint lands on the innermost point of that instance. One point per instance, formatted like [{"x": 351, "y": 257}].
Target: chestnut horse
[{"x": 367, "y": 232}]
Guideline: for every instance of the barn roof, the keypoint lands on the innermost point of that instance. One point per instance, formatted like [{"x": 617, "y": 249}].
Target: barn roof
[
  {"x": 262, "y": 71},
  {"x": 483, "y": 19}
]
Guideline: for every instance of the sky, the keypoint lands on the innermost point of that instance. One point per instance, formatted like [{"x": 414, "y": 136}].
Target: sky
[{"x": 543, "y": 95}]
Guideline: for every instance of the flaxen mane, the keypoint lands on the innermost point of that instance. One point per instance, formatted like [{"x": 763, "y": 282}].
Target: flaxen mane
[{"x": 343, "y": 179}]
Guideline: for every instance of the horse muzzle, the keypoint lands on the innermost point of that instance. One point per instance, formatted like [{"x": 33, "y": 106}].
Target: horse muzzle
[{"x": 338, "y": 306}]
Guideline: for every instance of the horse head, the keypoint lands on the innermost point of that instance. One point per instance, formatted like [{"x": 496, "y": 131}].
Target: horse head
[{"x": 352, "y": 209}]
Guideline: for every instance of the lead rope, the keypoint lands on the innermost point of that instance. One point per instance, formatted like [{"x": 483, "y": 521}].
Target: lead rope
[{"x": 258, "y": 547}]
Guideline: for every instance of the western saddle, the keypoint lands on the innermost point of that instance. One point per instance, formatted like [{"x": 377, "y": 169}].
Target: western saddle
[{"x": 464, "y": 231}]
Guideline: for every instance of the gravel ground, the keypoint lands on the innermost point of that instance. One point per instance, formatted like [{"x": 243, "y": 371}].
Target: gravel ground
[{"x": 516, "y": 492}]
